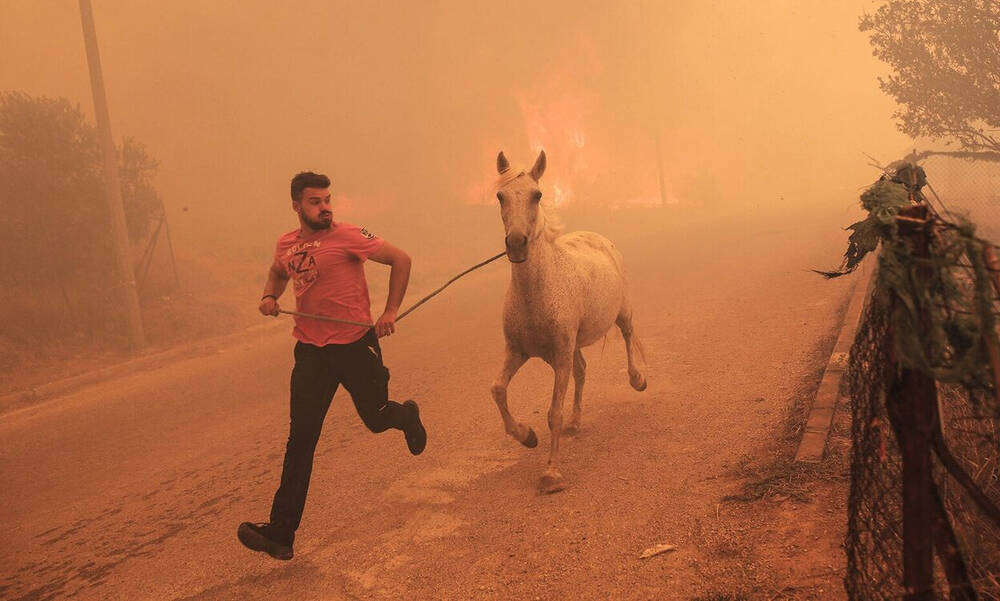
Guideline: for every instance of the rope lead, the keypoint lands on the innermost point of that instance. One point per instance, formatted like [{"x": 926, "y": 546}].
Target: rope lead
[{"x": 404, "y": 313}]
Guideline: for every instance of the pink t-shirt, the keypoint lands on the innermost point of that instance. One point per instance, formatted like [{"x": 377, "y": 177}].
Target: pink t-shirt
[{"x": 328, "y": 278}]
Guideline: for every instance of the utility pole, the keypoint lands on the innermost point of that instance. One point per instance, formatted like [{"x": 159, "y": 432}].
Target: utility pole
[{"x": 126, "y": 287}]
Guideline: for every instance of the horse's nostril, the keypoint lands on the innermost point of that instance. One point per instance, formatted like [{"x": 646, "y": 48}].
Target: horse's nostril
[{"x": 516, "y": 240}]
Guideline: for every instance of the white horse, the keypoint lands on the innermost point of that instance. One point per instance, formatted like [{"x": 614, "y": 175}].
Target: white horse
[{"x": 565, "y": 293}]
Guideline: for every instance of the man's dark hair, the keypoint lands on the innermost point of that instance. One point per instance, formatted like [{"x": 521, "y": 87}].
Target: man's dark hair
[{"x": 308, "y": 179}]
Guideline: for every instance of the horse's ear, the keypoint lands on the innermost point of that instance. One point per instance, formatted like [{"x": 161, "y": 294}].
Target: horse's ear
[
  {"x": 502, "y": 163},
  {"x": 539, "y": 168}
]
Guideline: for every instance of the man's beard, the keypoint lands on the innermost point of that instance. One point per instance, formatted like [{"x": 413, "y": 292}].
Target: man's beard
[{"x": 318, "y": 225}]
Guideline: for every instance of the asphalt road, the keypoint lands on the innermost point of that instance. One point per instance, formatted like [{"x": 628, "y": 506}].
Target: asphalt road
[{"x": 132, "y": 488}]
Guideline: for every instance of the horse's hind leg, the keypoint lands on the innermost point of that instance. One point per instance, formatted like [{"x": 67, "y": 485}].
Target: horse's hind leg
[
  {"x": 579, "y": 376},
  {"x": 522, "y": 433},
  {"x": 624, "y": 323}
]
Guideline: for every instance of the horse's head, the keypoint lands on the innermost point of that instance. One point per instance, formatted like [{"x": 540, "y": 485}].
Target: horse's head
[{"x": 519, "y": 197}]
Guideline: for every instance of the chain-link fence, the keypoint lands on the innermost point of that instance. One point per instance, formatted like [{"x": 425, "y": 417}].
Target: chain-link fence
[
  {"x": 874, "y": 523},
  {"x": 923, "y": 379},
  {"x": 969, "y": 187}
]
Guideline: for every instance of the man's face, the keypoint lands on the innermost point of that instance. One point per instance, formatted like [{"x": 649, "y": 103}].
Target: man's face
[{"x": 314, "y": 208}]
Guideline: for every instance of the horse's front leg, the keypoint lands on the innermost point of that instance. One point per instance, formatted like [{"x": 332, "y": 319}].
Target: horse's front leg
[
  {"x": 552, "y": 480},
  {"x": 520, "y": 432}
]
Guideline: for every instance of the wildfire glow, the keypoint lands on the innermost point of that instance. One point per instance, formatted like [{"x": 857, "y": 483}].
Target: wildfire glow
[{"x": 561, "y": 115}]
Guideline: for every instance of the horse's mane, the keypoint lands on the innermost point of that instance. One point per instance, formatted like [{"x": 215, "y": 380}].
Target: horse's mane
[
  {"x": 552, "y": 225},
  {"x": 548, "y": 221}
]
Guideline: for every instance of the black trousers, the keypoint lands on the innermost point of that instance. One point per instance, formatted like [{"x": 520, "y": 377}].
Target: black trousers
[{"x": 318, "y": 372}]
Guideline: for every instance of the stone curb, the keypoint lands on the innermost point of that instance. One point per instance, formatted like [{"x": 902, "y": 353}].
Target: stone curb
[
  {"x": 43, "y": 392},
  {"x": 820, "y": 419}
]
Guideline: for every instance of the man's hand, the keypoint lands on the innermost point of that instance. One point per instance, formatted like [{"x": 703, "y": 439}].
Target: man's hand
[
  {"x": 386, "y": 325},
  {"x": 268, "y": 306}
]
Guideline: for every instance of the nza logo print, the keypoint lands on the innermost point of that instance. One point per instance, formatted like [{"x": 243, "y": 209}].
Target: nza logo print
[
  {"x": 302, "y": 268},
  {"x": 301, "y": 262}
]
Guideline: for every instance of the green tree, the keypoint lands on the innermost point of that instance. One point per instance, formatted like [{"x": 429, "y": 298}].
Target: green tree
[
  {"x": 945, "y": 61},
  {"x": 54, "y": 219},
  {"x": 54, "y": 242}
]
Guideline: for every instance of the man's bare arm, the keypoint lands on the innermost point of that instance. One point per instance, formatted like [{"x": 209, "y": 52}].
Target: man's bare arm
[
  {"x": 399, "y": 279},
  {"x": 277, "y": 279}
]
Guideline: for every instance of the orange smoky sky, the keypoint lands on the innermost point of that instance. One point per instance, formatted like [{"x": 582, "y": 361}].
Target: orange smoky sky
[{"x": 405, "y": 105}]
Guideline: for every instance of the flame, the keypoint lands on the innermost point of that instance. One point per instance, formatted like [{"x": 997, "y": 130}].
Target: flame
[
  {"x": 561, "y": 115},
  {"x": 555, "y": 119}
]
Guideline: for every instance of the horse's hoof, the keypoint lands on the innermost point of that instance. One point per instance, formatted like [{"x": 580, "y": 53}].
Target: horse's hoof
[
  {"x": 551, "y": 482},
  {"x": 571, "y": 430},
  {"x": 530, "y": 441},
  {"x": 638, "y": 381}
]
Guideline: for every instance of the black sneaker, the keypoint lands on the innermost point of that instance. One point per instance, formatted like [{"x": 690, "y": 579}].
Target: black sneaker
[
  {"x": 416, "y": 436},
  {"x": 268, "y": 538}
]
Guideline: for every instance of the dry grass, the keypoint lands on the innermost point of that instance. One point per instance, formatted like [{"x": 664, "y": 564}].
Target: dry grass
[{"x": 778, "y": 476}]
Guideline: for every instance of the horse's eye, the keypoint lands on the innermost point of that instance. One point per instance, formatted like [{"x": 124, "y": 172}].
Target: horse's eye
[
  {"x": 500, "y": 196},
  {"x": 537, "y": 196}
]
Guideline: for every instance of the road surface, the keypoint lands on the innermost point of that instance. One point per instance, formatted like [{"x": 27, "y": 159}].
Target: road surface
[{"x": 132, "y": 488}]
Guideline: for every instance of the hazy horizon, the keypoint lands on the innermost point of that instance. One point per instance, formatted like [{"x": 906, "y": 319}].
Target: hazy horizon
[{"x": 405, "y": 107}]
